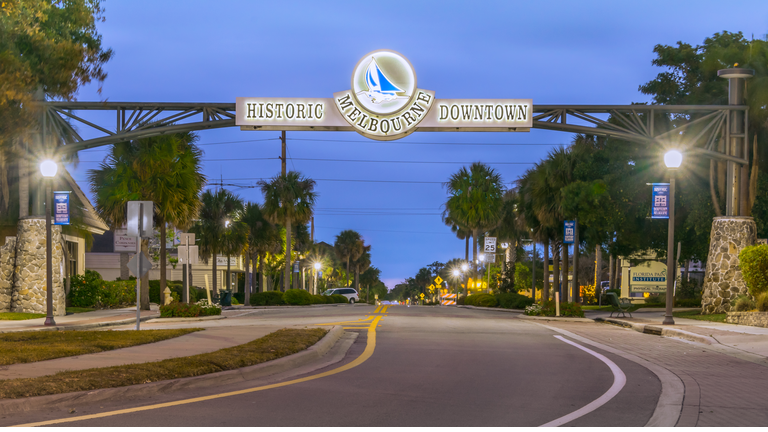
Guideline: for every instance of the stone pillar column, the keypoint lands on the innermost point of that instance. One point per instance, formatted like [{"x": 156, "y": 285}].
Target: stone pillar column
[
  {"x": 723, "y": 280},
  {"x": 29, "y": 280},
  {"x": 7, "y": 261}
]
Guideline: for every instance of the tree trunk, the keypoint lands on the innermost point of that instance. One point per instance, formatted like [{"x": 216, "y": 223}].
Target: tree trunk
[
  {"x": 124, "y": 272},
  {"x": 288, "y": 250},
  {"x": 466, "y": 248},
  {"x": 687, "y": 273},
  {"x": 23, "y": 184},
  {"x": 474, "y": 253},
  {"x": 576, "y": 286},
  {"x": 357, "y": 279},
  {"x": 229, "y": 276},
  {"x": 555, "y": 269},
  {"x": 598, "y": 269},
  {"x": 215, "y": 273},
  {"x": 564, "y": 264},
  {"x": 262, "y": 285},
  {"x": 144, "y": 290},
  {"x": 545, "y": 290},
  {"x": 248, "y": 280},
  {"x": 513, "y": 262},
  {"x": 163, "y": 260},
  {"x": 347, "y": 272},
  {"x": 610, "y": 272}
]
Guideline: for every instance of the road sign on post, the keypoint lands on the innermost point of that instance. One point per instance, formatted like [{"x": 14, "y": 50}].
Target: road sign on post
[
  {"x": 140, "y": 226},
  {"x": 187, "y": 255},
  {"x": 490, "y": 245},
  {"x": 569, "y": 232}
]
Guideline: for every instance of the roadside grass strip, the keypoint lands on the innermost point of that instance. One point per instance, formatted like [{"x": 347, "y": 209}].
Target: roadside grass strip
[
  {"x": 270, "y": 347},
  {"x": 370, "y": 347},
  {"x": 75, "y": 310},
  {"x": 696, "y": 314},
  {"x": 34, "y": 346},
  {"x": 19, "y": 316}
]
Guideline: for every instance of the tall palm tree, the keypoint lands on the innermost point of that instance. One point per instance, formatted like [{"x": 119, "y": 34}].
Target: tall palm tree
[
  {"x": 288, "y": 198},
  {"x": 262, "y": 236},
  {"x": 234, "y": 241},
  {"x": 461, "y": 232},
  {"x": 164, "y": 169},
  {"x": 217, "y": 207},
  {"x": 348, "y": 247},
  {"x": 361, "y": 264},
  {"x": 475, "y": 200},
  {"x": 511, "y": 229}
]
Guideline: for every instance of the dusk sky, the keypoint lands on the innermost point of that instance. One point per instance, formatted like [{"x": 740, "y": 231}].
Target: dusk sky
[{"x": 552, "y": 52}]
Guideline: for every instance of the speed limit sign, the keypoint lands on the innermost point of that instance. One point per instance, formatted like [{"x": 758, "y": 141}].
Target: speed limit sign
[{"x": 490, "y": 244}]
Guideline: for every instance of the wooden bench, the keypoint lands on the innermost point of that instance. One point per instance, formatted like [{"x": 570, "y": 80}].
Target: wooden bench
[{"x": 620, "y": 306}]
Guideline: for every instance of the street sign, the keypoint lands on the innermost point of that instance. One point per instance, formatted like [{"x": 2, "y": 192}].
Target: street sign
[
  {"x": 146, "y": 218},
  {"x": 422, "y": 296},
  {"x": 438, "y": 280},
  {"x": 490, "y": 258},
  {"x": 490, "y": 245},
  {"x": 187, "y": 238},
  {"x": 569, "y": 232},
  {"x": 122, "y": 242},
  {"x": 193, "y": 255},
  {"x": 61, "y": 208},
  {"x": 139, "y": 265},
  {"x": 660, "y": 201},
  {"x": 432, "y": 287}
]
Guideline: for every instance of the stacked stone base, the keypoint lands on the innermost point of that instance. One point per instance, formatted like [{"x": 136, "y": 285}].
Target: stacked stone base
[
  {"x": 23, "y": 276},
  {"x": 755, "y": 319},
  {"x": 723, "y": 280}
]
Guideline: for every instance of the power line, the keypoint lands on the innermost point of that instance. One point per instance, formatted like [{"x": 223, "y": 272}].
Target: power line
[
  {"x": 352, "y": 160},
  {"x": 388, "y": 231},
  {"x": 429, "y": 143},
  {"x": 208, "y": 144}
]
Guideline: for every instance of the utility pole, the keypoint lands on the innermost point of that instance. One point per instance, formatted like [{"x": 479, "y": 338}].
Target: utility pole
[{"x": 282, "y": 159}]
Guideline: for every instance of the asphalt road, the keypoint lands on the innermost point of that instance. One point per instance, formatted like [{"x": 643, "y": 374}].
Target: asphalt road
[{"x": 430, "y": 366}]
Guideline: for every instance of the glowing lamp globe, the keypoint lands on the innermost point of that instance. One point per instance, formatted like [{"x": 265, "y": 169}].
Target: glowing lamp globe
[
  {"x": 456, "y": 272},
  {"x": 48, "y": 168},
  {"x": 317, "y": 266},
  {"x": 673, "y": 159},
  {"x": 482, "y": 257},
  {"x": 464, "y": 267}
]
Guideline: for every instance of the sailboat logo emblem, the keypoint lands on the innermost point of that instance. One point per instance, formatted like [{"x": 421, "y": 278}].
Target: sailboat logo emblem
[{"x": 380, "y": 88}]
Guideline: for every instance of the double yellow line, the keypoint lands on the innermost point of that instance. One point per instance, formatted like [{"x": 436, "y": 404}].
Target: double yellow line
[
  {"x": 367, "y": 353},
  {"x": 382, "y": 309}
]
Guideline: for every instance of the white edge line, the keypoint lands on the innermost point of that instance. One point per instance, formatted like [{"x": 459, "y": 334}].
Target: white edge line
[
  {"x": 619, "y": 380},
  {"x": 670, "y": 403}
]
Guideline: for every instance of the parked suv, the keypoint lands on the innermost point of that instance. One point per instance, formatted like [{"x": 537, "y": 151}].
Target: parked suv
[{"x": 349, "y": 293}]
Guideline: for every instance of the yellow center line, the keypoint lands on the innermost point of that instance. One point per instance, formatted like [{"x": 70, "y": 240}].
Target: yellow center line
[
  {"x": 377, "y": 309},
  {"x": 362, "y": 320},
  {"x": 384, "y": 310},
  {"x": 367, "y": 353}
]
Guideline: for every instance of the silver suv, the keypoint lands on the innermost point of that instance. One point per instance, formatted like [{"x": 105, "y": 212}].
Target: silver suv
[{"x": 349, "y": 293}]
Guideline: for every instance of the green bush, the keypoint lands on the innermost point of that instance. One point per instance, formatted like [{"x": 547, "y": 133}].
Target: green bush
[
  {"x": 761, "y": 302},
  {"x": 318, "y": 299},
  {"x": 571, "y": 309},
  {"x": 91, "y": 291},
  {"x": 180, "y": 310},
  {"x": 743, "y": 303},
  {"x": 297, "y": 297},
  {"x": 656, "y": 300},
  {"x": 267, "y": 298},
  {"x": 686, "y": 289},
  {"x": 461, "y": 300},
  {"x": 238, "y": 297},
  {"x": 470, "y": 299},
  {"x": 486, "y": 300},
  {"x": 513, "y": 300},
  {"x": 338, "y": 298},
  {"x": 753, "y": 261},
  {"x": 688, "y": 302}
]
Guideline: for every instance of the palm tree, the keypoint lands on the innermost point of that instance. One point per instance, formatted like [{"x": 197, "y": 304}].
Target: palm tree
[
  {"x": 348, "y": 247},
  {"x": 164, "y": 169},
  {"x": 217, "y": 207},
  {"x": 475, "y": 200},
  {"x": 262, "y": 236},
  {"x": 288, "y": 198},
  {"x": 233, "y": 241},
  {"x": 511, "y": 229},
  {"x": 461, "y": 232},
  {"x": 361, "y": 263}
]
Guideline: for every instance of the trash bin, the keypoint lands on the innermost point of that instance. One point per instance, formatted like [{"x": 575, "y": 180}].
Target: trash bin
[{"x": 225, "y": 298}]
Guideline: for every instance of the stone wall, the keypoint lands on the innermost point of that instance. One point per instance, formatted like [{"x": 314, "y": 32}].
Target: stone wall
[
  {"x": 756, "y": 319},
  {"x": 723, "y": 280},
  {"x": 29, "y": 284},
  {"x": 7, "y": 261}
]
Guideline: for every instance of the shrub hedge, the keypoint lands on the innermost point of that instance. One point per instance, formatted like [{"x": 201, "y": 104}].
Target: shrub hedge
[
  {"x": 753, "y": 261},
  {"x": 90, "y": 291},
  {"x": 318, "y": 299},
  {"x": 183, "y": 310},
  {"x": 761, "y": 302},
  {"x": 338, "y": 298},
  {"x": 297, "y": 297},
  {"x": 267, "y": 298},
  {"x": 513, "y": 300}
]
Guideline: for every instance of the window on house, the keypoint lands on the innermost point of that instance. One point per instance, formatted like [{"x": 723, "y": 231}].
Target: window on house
[{"x": 72, "y": 254}]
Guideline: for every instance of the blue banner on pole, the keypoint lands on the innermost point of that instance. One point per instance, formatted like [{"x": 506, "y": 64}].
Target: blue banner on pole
[
  {"x": 568, "y": 234},
  {"x": 660, "y": 205},
  {"x": 61, "y": 208}
]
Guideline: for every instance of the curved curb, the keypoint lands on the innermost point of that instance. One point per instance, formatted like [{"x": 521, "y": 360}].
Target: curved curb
[
  {"x": 491, "y": 309},
  {"x": 170, "y": 320},
  {"x": 249, "y": 373},
  {"x": 662, "y": 331},
  {"x": 555, "y": 319},
  {"x": 670, "y": 403}
]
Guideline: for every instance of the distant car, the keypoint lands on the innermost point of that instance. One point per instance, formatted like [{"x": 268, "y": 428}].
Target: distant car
[{"x": 349, "y": 293}]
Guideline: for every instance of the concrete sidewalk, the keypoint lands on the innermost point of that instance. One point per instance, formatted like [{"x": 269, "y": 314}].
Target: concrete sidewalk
[
  {"x": 738, "y": 338},
  {"x": 208, "y": 340},
  {"x": 85, "y": 320}
]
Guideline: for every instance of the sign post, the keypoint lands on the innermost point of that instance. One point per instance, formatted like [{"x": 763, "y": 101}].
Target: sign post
[
  {"x": 139, "y": 225},
  {"x": 660, "y": 206},
  {"x": 187, "y": 256}
]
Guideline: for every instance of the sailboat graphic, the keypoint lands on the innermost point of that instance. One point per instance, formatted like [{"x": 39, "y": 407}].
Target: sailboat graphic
[{"x": 380, "y": 88}]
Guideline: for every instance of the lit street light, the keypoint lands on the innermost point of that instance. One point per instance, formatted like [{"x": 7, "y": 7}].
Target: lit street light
[
  {"x": 48, "y": 169},
  {"x": 317, "y": 266},
  {"x": 673, "y": 159}
]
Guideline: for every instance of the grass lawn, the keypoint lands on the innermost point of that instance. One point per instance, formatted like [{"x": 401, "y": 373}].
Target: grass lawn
[
  {"x": 696, "y": 314},
  {"x": 596, "y": 308},
  {"x": 74, "y": 310},
  {"x": 272, "y": 346},
  {"x": 18, "y": 316},
  {"x": 32, "y": 346}
]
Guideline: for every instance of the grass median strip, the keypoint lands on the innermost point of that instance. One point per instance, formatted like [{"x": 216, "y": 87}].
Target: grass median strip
[
  {"x": 696, "y": 314},
  {"x": 19, "y": 316},
  {"x": 33, "y": 346},
  {"x": 270, "y": 347}
]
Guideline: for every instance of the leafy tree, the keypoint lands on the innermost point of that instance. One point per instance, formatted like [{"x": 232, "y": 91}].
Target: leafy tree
[
  {"x": 217, "y": 207},
  {"x": 349, "y": 246},
  {"x": 164, "y": 169},
  {"x": 234, "y": 241},
  {"x": 288, "y": 198}
]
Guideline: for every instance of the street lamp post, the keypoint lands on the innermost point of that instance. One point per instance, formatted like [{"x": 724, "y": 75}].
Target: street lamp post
[
  {"x": 464, "y": 270},
  {"x": 673, "y": 159},
  {"x": 317, "y": 269},
  {"x": 48, "y": 169}
]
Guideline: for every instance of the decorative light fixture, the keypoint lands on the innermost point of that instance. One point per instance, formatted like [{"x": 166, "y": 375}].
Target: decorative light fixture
[{"x": 673, "y": 159}]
